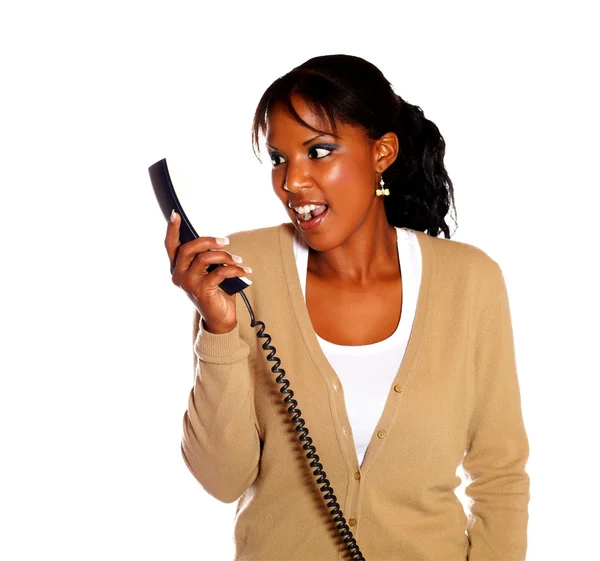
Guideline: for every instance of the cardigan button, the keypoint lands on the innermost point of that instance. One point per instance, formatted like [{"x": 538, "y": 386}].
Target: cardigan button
[
  {"x": 398, "y": 388},
  {"x": 345, "y": 429},
  {"x": 352, "y": 521},
  {"x": 381, "y": 433},
  {"x": 357, "y": 475}
]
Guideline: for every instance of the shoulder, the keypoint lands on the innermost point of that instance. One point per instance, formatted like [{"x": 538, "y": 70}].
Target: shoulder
[
  {"x": 465, "y": 269},
  {"x": 255, "y": 235},
  {"x": 254, "y": 245},
  {"x": 463, "y": 258}
]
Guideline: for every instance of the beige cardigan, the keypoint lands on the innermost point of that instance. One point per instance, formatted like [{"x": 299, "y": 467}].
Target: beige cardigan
[{"x": 455, "y": 399}]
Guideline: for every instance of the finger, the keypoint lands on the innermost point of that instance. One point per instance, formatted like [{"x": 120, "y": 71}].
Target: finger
[
  {"x": 202, "y": 260},
  {"x": 172, "y": 242},
  {"x": 216, "y": 276},
  {"x": 195, "y": 250}
]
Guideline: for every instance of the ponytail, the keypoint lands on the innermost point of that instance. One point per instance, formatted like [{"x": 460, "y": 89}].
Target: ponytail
[{"x": 421, "y": 191}]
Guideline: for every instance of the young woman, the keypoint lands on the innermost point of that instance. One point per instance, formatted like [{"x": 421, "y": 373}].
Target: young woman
[{"x": 397, "y": 344}]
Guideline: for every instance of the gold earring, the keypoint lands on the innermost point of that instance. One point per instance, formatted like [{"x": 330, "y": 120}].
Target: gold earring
[{"x": 382, "y": 191}]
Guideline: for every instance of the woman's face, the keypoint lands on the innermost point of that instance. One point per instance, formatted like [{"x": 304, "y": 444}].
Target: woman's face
[{"x": 340, "y": 172}]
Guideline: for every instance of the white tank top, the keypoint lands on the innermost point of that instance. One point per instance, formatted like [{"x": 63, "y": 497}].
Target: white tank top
[{"x": 367, "y": 371}]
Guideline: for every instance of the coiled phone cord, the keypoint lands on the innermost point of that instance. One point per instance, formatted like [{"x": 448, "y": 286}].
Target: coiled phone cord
[{"x": 336, "y": 511}]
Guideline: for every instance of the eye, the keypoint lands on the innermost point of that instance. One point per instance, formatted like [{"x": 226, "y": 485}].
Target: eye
[
  {"x": 323, "y": 150},
  {"x": 274, "y": 156}
]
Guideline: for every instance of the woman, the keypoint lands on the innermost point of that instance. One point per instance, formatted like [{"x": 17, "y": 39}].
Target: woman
[{"x": 397, "y": 344}]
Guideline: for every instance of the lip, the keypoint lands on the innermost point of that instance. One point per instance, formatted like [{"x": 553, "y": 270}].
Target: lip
[{"x": 304, "y": 226}]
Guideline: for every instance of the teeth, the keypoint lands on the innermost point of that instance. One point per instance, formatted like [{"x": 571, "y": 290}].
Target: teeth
[{"x": 305, "y": 209}]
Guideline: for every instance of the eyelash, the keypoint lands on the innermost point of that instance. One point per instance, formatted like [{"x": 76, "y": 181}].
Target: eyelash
[{"x": 329, "y": 147}]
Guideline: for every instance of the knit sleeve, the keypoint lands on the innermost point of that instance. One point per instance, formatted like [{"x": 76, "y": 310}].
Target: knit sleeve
[
  {"x": 221, "y": 444},
  {"x": 498, "y": 447}
]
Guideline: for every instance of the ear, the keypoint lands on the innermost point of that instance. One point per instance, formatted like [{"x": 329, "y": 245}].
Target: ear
[{"x": 385, "y": 151}]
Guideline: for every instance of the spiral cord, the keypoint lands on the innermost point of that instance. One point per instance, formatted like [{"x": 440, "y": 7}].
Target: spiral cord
[{"x": 336, "y": 511}]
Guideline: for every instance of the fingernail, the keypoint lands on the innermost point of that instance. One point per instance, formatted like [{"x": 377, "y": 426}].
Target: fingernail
[
  {"x": 236, "y": 258},
  {"x": 172, "y": 218},
  {"x": 247, "y": 269},
  {"x": 224, "y": 241}
]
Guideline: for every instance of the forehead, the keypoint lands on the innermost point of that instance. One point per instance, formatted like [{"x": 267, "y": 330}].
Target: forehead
[{"x": 282, "y": 126}]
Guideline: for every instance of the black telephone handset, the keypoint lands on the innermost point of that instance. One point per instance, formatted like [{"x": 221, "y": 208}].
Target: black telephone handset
[{"x": 167, "y": 200}]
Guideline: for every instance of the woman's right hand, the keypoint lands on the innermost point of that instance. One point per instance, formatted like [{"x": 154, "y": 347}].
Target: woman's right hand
[{"x": 189, "y": 262}]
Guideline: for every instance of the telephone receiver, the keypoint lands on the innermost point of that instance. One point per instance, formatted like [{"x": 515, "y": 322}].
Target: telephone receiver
[{"x": 167, "y": 200}]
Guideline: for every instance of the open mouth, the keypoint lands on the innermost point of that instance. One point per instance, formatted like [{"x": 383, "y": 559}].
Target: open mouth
[
  {"x": 312, "y": 214},
  {"x": 312, "y": 218}
]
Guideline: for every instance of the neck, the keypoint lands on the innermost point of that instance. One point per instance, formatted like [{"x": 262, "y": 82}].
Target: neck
[{"x": 369, "y": 255}]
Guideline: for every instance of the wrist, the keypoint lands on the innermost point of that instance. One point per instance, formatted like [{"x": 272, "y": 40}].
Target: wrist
[{"x": 218, "y": 330}]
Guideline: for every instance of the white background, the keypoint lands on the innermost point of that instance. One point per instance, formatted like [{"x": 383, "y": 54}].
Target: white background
[{"x": 96, "y": 340}]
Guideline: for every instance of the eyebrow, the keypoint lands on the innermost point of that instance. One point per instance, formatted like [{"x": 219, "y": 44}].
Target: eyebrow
[{"x": 307, "y": 141}]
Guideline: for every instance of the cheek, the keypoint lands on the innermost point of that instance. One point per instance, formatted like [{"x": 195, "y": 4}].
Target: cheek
[
  {"x": 277, "y": 181},
  {"x": 334, "y": 174},
  {"x": 347, "y": 176}
]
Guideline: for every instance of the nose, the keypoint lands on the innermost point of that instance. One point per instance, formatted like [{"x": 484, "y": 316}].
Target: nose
[{"x": 297, "y": 177}]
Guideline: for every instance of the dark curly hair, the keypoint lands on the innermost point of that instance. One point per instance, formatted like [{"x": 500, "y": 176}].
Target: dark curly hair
[{"x": 353, "y": 91}]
